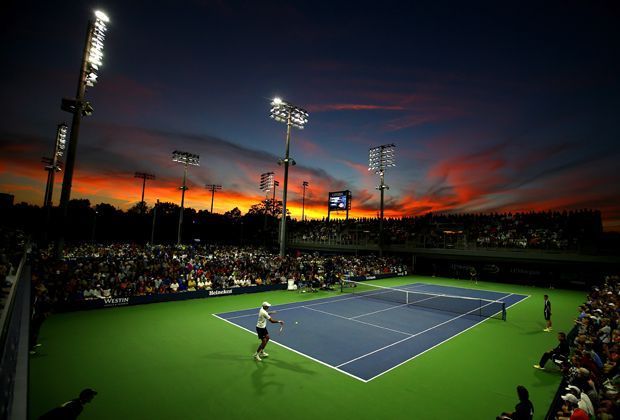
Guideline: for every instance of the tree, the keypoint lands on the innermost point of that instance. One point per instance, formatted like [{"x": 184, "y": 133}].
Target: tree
[
  {"x": 233, "y": 214},
  {"x": 106, "y": 210},
  {"x": 167, "y": 209},
  {"x": 139, "y": 208},
  {"x": 267, "y": 207},
  {"x": 79, "y": 203}
]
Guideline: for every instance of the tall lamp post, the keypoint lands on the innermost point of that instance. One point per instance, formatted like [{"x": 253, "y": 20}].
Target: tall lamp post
[
  {"x": 143, "y": 176},
  {"x": 304, "y": 185},
  {"x": 91, "y": 61},
  {"x": 266, "y": 184},
  {"x": 276, "y": 184},
  {"x": 379, "y": 159},
  {"x": 292, "y": 116},
  {"x": 186, "y": 159},
  {"x": 213, "y": 188},
  {"x": 53, "y": 163}
]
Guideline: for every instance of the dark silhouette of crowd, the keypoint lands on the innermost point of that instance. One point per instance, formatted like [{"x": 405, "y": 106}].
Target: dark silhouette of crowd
[
  {"x": 12, "y": 242},
  {"x": 567, "y": 230},
  {"x": 95, "y": 271}
]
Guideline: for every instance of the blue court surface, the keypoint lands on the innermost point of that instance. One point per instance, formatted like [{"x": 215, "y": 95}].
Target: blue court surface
[{"x": 365, "y": 337}]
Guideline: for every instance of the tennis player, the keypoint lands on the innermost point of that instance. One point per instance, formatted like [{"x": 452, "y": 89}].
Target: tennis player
[
  {"x": 261, "y": 330},
  {"x": 547, "y": 312}
]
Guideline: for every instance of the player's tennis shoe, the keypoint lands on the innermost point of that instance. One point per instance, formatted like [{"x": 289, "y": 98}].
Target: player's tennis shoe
[
  {"x": 263, "y": 354},
  {"x": 257, "y": 357}
]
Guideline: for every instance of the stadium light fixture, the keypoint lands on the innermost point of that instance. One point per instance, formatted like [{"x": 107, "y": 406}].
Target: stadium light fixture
[
  {"x": 187, "y": 159},
  {"x": 292, "y": 116},
  {"x": 92, "y": 60},
  {"x": 144, "y": 176},
  {"x": 213, "y": 188},
  {"x": 53, "y": 164},
  {"x": 304, "y": 185},
  {"x": 379, "y": 159}
]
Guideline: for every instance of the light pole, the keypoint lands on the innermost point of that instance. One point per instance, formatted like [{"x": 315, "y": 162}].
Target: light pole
[
  {"x": 186, "y": 159},
  {"x": 292, "y": 116},
  {"x": 53, "y": 163},
  {"x": 304, "y": 185},
  {"x": 213, "y": 188},
  {"x": 379, "y": 159},
  {"x": 154, "y": 219},
  {"x": 91, "y": 61},
  {"x": 273, "y": 199},
  {"x": 143, "y": 176},
  {"x": 266, "y": 184}
]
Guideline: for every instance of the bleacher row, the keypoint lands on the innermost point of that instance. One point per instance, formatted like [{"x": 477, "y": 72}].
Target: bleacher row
[
  {"x": 535, "y": 230},
  {"x": 93, "y": 271}
]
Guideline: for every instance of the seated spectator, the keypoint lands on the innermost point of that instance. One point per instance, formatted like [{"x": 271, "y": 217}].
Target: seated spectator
[
  {"x": 191, "y": 285},
  {"x": 560, "y": 352},
  {"x": 71, "y": 409},
  {"x": 571, "y": 409},
  {"x": 524, "y": 410}
]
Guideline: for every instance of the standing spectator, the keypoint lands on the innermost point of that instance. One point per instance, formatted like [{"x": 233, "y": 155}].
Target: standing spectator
[
  {"x": 547, "y": 312},
  {"x": 524, "y": 410},
  {"x": 561, "y": 351}
]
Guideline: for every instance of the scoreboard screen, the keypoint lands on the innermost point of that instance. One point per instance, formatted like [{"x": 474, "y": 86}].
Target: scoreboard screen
[{"x": 339, "y": 200}]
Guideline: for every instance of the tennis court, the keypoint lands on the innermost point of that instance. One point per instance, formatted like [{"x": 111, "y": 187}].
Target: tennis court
[{"x": 369, "y": 330}]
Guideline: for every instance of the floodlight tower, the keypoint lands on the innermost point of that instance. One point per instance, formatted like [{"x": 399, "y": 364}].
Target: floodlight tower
[
  {"x": 143, "y": 176},
  {"x": 304, "y": 185},
  {"x": 292, "y": 116},
  {"x": 186, "y": 159},
  {"x": 213, "y": 188},
  {"x": 276, "y": 184},
  {"x": 266, "y": 184},
  {"x": 92, "y": 59},
  {"x": 53, "y": 163},
  {"x": 379, "y": 159}
]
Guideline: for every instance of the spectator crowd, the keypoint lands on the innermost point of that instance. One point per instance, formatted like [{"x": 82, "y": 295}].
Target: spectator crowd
[
  {"x": 94, "y": 271},
  {"x": 566, "y": 230},
  {"x": 592, "y": 368}
]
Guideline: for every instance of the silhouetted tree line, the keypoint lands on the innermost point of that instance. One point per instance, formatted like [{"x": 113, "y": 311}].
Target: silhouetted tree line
[
  {"x": 104, "y": 222},
  {"x": 260, "y": 225}
]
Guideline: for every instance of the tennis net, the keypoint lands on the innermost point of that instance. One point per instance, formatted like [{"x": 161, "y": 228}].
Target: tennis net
[{"x": 454, "y": 304}]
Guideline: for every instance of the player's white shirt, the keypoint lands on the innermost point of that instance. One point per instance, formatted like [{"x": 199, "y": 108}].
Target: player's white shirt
[{"x": 263, "y": 317}]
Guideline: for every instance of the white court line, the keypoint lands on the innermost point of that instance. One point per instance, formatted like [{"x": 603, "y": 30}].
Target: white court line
[
  {"x": 347, "y": 373},
  {"x": 414, "y": 335},
  {"x": 294, "y": 351},
  {"x": 477, "y": 290},
  {"x": 392, "y": 307},
  {"x": 447, "y": 339},
  {"x": 331, "y": 299},
  {"x": 357, "y": 320}
]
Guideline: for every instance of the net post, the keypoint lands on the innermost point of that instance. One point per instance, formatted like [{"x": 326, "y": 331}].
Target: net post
[{"x": 503, "y": 311}]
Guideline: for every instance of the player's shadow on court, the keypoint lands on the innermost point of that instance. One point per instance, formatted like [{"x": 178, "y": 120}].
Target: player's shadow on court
[
  {"x": 261, "y": 380},
  {"x": 272, "y": 361}
]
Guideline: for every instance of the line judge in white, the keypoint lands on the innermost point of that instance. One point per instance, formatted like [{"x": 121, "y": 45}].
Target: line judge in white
[{"x": 261, "y": 329}]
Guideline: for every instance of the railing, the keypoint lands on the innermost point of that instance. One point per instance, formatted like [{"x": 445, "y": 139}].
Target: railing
[
  {"x": 15, "y": 322},
  {"x": 421, "y": 241}
]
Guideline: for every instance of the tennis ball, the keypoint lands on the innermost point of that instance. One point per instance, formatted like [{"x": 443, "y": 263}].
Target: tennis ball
[{"x": 296, "y": 322}]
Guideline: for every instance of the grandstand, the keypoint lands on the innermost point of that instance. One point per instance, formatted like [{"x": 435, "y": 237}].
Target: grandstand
[{"x": 211, "y": 289}]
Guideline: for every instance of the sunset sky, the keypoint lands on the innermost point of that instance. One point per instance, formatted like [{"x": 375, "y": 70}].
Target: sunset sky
[{"x": 494, "y": 106}]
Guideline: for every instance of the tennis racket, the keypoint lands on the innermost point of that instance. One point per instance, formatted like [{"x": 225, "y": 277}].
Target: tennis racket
[{"x": 281, "y": 328}]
